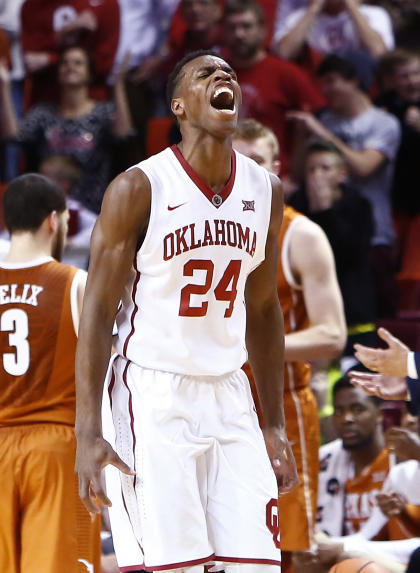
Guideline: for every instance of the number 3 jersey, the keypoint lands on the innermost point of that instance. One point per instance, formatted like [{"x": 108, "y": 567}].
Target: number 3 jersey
[
  {"x": 37, "y": 342},
  {"x": 183, "y": 308}
]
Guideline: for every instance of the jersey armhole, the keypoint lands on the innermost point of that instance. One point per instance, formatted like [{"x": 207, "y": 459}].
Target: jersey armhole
[
  {"x": 79, "y": 277},
  {"x": 285, "y": 254}
]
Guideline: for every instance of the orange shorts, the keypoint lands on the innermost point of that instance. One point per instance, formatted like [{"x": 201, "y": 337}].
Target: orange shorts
[
  {"x": 297, "y": 509},
  {"x": 43, "y": 527}
]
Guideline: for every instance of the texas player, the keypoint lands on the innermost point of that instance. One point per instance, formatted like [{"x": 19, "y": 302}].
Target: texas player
[{"x": 44, "y": 526}]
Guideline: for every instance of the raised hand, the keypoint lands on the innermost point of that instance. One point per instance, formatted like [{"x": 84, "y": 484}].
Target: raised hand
[
  {"x": 385, "y": 387},
  {"x": 391, "y": 361}
]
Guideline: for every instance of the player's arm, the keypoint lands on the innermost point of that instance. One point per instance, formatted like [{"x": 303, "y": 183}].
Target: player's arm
[
  {"x": 265, "y": 344},
  {"x": 312, "y": 262},
  {"x": 121, "y": 223}
]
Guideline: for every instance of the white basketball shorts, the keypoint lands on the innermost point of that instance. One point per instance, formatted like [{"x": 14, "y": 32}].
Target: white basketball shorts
[{"x": 204, "y": 490}]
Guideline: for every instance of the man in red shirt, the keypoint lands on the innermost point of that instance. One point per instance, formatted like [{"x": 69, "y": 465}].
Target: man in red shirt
[
  {"x": 49, "y": 26},
  {"x": 270, "y": 86}
]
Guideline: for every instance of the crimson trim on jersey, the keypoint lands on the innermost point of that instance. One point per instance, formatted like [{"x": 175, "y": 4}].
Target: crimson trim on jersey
[
  {"x": 202, "y": 185},
  {"x": 135, "y": 309}
]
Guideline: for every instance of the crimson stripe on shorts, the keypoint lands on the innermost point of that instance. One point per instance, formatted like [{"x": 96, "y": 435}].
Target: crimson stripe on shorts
[
  {"x": 129, "y": 519},
  {"x": 247, "y": 560},
  {"x": 111, "y": 387},
  {"x": 168, "y": 566},
  {"x": 130, "y": 410},
  {"x": 135, "y": 309}
]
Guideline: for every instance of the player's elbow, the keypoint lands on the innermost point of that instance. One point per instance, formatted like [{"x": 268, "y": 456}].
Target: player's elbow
[{"x": 334, "y": 341}]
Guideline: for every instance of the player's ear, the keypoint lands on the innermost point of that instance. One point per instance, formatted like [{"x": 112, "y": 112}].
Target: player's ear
[
  {"x": 52, "y": 222},
  {"x": 276, "y": 166},
  {"x": 177, "y": 107}
]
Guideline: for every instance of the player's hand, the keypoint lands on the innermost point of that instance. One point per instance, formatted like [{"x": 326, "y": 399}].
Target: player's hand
[
  {"x": 385, "y": 387},
  {"x": 391, "y": 361},
  {"x": 390, "y": 503},
  {"x": 92, "y": 455},
  {"x": 282, "y": 458},
  {"x": 406, "y": 444}
]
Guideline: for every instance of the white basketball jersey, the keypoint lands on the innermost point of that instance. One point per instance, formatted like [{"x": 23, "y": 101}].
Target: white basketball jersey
[{"x": 183, "y": 309}]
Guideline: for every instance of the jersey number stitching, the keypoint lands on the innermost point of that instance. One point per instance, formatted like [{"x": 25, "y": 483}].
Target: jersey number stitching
[
  {"x": 15, "y": 321},
  {"x": 222, "y": 291}
]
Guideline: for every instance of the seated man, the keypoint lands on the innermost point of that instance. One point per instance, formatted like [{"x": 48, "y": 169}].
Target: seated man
[{"x": 353, "y": 467}]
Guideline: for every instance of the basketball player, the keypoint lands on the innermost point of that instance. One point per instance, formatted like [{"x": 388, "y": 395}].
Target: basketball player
[
  {"x": 314, "y": 329},
  {"x": 187, "y": 241},
  {"x": 43, "y": 526}
]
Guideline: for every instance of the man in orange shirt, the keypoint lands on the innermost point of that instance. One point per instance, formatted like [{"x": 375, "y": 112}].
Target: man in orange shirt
[
  {"x": 314, "y": 328},
  {"x": 44, "y": 526}
]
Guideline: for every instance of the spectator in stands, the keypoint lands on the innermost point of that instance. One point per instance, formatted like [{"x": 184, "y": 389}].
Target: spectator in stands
[
  {"x": 143, "y": 33},
  {"x": 66, "y": 173},
  {"x": 405, "y": 18},
  {"x": 79, "y": 126},
  {"x": 346, "y": 218},
  {"x": 369, "y": 139},
  {"x": 270, "y": 86},
  {"x": 48, "y": 27},
  {"x": 402, "y": 71},
  {"x": 10, "y": 24},
  {"x": 203, "y": 30},
  {"x": 331, "y": 26}
]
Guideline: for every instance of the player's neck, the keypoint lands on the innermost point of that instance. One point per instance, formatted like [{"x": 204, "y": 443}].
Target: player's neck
[
  {"x": 363, "y": 456},
  {"x": 25, "y": 247},
  {"x": 210, "y": 158}
]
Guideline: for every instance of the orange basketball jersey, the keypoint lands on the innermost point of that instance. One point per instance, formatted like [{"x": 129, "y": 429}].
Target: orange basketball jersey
[
  {"x": 361, "y": 492},
  {"x": 297, "y": 374},
  {"x": 37, "y": 343}
]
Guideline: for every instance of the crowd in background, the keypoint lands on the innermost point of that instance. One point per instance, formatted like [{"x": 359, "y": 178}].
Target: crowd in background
[{"x": 82, "y": 97}]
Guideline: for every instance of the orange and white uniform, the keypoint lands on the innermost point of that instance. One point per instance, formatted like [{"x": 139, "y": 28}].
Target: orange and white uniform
[
  {"x": 346, "y": 501},
  {"x": 297, "y": 509},
  {"x": 44, "y": 526}
]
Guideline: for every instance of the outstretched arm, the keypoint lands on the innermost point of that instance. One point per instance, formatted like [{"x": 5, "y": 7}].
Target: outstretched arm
[
  {"x": 314, "y": 269},
  {"x": 265, "y": 343},
  {"x": 121, "y": 224}
]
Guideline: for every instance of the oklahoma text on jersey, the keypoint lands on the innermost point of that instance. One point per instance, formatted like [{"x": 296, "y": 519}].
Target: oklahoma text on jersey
[{"x": 216, "y": 232}]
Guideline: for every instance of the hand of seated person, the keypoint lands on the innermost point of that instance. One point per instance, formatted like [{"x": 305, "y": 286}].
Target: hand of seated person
[
  {"x": 406, "y": 444},
  {"x": 390, "y": 503}
]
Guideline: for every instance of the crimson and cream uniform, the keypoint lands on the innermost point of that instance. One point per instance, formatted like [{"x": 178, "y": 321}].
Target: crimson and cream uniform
[
  {"x": 297, "y": 509},
  {"x": 183, "y": 413},
  {"x": 43, "y": 526}
]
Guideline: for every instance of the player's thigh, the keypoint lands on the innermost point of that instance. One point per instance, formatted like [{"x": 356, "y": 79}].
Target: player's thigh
[
  {"x": 9, "y": 500},
  {"x": 56, "y": 528}
]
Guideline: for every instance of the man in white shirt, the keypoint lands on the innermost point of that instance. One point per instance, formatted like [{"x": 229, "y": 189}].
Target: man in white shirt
[{"x": 331, "y": 26}]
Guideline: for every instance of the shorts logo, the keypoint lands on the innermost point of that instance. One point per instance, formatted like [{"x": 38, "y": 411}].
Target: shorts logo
[
  {"x": 272, "y": 520},
  {"x": 89, "y": 566}
]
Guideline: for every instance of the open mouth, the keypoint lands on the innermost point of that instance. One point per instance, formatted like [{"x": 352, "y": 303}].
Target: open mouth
[{"x": 223, "y": 99}]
